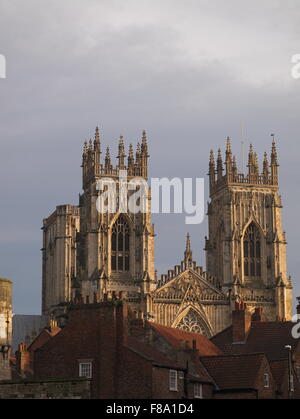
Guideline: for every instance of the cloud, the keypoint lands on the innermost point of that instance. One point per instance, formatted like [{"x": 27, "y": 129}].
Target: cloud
[{"x": 189, "y": 72}]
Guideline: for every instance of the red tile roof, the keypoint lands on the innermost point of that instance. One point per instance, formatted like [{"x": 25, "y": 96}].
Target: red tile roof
[
  {"x": 265, "y": 337},
  {"x": 158, "y": 358},
  {"x": 152, "y": 354},
  {"x": 176, "y": 336},
  {"x": 232, "y": 372}
]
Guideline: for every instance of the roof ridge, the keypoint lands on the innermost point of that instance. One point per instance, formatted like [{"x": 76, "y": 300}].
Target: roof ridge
[{"x": 234, "y": 355}]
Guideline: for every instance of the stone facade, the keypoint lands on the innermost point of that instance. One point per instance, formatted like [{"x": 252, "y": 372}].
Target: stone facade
[
  {"x": 115, "y": 251},
  {"x": 245, "y": 249},
  {"x": 59, "y": 255},
  {"x": 45, "y": 389}
]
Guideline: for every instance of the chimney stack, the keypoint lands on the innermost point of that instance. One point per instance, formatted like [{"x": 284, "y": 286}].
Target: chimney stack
[
  {"x": 241, "y": 323},
  {"x": 257, "y": 315},
  {"x": 22, "y": 359}
]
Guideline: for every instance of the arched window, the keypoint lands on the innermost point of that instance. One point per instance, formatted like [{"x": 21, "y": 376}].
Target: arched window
[
  {"x": 252, "y": 252},
  {"x": 192, "y": 322},
  {"x": 120, "y": 245}
]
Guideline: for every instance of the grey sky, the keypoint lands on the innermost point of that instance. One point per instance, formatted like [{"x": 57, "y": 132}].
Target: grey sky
[{"x": 190, "y": 72}]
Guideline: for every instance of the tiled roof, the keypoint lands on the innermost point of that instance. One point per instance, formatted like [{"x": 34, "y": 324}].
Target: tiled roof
[
  {"x": 196, "y": 372},
  {"x": 265, "y": 337},
  {"x": 152, "y": 354},
  {"x": 232, "y": 372},
  {"x": 176, "y": 336}
]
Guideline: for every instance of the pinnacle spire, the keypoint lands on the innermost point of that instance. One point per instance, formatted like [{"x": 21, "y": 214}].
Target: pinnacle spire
[
  {"x": 219, "y": 165},
  {"x": 130, "y": 160},
  {"x": 144, "y": 156},
  {"x": 228, "y": 161},
  {"x": 188, "y": 242},
  {"x": 274, "y": 162},
  {"x": 138, "y": 153},
  {"x": 211, "y": 159},
  {"x": 228, "y": 145},
  {"x": 107, "y": 160},
  {"x": 188, "y": 254},
  {"x": 97, "y": 136},
  {"x": 85, "y": 147},
  {"x": 274, "y": 153},
  {"x": 266, "y": 168},
  {"x": 144, "y": 148},
  {"x": 250, "y": 155},
  {"x": 121, "y": 156}
]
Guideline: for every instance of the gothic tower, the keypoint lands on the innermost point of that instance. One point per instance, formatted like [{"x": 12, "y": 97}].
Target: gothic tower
[
  {"x": 246, "y": 247},
  {"x": 115, "y": 250}
]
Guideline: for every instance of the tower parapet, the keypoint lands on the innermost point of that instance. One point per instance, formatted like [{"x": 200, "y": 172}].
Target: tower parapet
[
  {"x": 218, "y": 179},
  {"x": 92, "y": 166}
]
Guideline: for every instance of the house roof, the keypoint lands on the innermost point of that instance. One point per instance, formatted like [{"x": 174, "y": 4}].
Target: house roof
[
  {"x": 160, "y": 359},
  {"x": 269, "y": 338},
  {"x": 152, "y": 354},
  {"x": 232, "y": 372},
  {"x": 175, "y": 337}
]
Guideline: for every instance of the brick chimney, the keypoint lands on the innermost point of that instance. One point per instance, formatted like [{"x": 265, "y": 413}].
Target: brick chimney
[
  {"x": 22, "y": 359},
  {"x": 241, "y": 323},
  {"x": 257, "y": 315}
]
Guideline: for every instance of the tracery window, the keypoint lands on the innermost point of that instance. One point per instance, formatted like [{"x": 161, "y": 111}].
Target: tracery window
[
  {"x": 120, "y": 245},
  {"x": 252, "y": 252},
  {"x": 191, "y": 323}
]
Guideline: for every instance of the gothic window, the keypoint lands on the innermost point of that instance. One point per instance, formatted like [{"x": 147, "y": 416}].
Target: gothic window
[
  {"x": 252, "y": 252},
  {"x": 191, "y": 323},
  {"x": 120, "y": 240}
]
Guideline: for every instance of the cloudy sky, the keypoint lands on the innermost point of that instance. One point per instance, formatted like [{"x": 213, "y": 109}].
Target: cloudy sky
[{"x": 190, "y": 72}]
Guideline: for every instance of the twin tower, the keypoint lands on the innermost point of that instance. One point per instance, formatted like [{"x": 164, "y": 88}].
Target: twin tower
[{"x": 93, "y": 256}]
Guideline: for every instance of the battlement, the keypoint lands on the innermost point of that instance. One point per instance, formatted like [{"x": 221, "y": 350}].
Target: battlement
[
  {"x": 267, "y": 177},
  {"x": 92, "y": 167}
]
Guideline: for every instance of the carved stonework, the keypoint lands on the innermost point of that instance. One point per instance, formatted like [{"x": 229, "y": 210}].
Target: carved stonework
[{"x": 191, "y": 323}]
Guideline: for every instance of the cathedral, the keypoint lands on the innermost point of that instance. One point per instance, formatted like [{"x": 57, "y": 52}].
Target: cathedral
[{"x": 94, "y": 256}]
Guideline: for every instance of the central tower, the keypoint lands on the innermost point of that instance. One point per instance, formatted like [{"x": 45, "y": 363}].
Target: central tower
[
  {"x": 246, "y": 248},
  {"x": 115, "y": 251}
]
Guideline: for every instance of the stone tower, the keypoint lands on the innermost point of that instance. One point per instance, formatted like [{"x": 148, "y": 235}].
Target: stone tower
[
  {"x": 5, "y": 327},
  {"x": 246, "y": 247},
  {"x": 59, "y": 256},
  {"x": 115, "y": 251}
]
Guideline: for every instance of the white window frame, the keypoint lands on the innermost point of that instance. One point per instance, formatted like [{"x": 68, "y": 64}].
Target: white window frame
[
  {"x": 88, "y": 366},
  {"x": 266, "y": 381},
  {"x": 198, "y": 391},
  {"x": 173, "y": 380}
]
